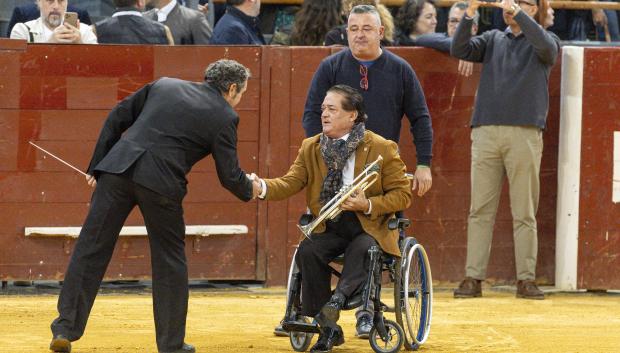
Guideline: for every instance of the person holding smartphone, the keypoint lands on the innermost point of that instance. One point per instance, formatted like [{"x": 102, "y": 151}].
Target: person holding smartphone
[{"x": 55, "y": 25}]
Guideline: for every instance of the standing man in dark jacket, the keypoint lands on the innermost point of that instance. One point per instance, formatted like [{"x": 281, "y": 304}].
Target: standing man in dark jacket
[
  {"x": 148, "y": 144},
  {"x": 127, "y": 26},
  {"x": 510, "y": 114},
  {"x": 240, "y": 24}
]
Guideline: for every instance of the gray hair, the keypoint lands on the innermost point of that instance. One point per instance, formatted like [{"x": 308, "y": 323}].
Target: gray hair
[
  {"x": 463, "y": 6},
  {"x": 362, "y": 9},
  {"x": 224, "y": 73}
]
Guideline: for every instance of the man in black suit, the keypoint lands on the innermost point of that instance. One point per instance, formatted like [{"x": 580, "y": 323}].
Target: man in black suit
[
  {"x": 29, "y": 12},
  {"x": 148, "y": 144}
]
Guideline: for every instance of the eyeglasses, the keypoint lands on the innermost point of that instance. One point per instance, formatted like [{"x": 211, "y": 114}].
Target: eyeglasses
[{"x": 364, "y": 80}]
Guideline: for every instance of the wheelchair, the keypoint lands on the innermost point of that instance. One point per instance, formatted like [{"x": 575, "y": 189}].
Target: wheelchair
[{"x": 413, "y": 297}]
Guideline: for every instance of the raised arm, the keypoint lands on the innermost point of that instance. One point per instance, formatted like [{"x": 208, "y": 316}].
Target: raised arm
[{"x": 464, "y": 46}]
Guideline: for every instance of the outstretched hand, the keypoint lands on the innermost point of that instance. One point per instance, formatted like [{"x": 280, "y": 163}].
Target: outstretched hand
[{"x": 257, "y": 187}]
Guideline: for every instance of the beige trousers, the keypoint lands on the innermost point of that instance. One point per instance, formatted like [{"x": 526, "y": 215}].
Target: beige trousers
[{"x": 514, "y": 152}]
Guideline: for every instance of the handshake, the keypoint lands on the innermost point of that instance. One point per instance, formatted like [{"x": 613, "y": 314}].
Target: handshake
[{"x": 257, "y": 185}]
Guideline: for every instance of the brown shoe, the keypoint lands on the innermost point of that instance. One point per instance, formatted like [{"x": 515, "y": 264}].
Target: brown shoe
[
  {"x": 469, "y": 288},
  {"x": 528, "y": 289}
]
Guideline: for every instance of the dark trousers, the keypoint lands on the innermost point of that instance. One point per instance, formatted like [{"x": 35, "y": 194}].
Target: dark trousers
[
  {"x": 112, "y": 201},
  {"x": 313, "y": 257}
]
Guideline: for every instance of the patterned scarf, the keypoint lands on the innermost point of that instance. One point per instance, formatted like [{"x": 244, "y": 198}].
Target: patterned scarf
[{"x": 335, "y": 154}]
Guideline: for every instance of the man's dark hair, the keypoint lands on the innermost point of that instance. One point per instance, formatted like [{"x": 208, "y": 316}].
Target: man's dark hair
[
  {"x": 234, "y": 2},
  {"x": 224, "y": 73},
  {"x": 352, "y": 100},
  {"x": 125, "y": 3}
]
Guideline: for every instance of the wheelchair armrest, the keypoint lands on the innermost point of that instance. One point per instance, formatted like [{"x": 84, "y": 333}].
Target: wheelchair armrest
[
  {"x": 399, "y": 223},
  {"x": 305, "y": 219}
]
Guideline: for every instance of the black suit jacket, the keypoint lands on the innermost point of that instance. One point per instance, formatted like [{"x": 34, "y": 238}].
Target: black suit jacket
[
  {"x": 163, "y": 129},
  {"x": 29, "y": 12}
]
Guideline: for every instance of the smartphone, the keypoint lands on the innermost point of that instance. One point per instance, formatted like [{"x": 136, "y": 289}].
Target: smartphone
[{"x": 71, "y": 18}]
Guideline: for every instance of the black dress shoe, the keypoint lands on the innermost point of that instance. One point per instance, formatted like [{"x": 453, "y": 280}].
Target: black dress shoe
[
  {"x": 60, "y": 343},
  {"x": 187, "y": 348},
  {"x": 330, "y": 312},
  {"x": 363, "y": 327},
  {"x": 328, "y": 338}
]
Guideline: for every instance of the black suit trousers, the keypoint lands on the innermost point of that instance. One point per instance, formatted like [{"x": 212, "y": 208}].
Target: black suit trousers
[
  {"x": 313, "y": 257},
  {"x": 112, "y": 201}
]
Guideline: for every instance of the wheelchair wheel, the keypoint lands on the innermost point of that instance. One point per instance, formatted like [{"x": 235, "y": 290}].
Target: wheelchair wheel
[
  {"x": 413, "y": 293},
  {"x": 300, "y": 341},
  {"x": 395, "y": 334}
]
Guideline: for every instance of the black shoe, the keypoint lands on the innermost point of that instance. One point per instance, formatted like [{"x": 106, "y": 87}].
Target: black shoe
[
  {"x": 363, "y": 327},
  {"x": 330, "y": 312},
  {"x": 279, "y": 331},
  {"x": 60, "y": 343},
  {"x": 328, "y": 338},
  {"x": 187, "y": 348}
]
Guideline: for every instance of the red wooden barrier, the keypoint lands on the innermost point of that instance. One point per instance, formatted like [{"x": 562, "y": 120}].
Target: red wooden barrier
[{"x": 59, "y": 96}]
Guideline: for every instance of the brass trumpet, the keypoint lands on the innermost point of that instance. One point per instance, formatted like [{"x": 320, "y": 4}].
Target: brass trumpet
[{"x": 332, "y": 208}]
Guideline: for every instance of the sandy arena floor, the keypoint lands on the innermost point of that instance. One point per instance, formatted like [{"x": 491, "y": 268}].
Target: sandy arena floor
[{"x": 243, "y": 322}]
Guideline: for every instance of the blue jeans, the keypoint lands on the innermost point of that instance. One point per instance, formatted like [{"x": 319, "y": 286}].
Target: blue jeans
[{"x": 612, "y": 24}]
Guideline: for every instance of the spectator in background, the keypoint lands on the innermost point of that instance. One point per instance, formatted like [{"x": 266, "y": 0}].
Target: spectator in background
[
  {"x": 338, "y": 35},
  {"x": 443, "y": 41},
  {"x": 49, "y": 27},
  {"x": 186, "y": 25},
  {"x": 606, "y": 22},
  {"x": 127, "y": 26},
  {"x": 414, "y": 18},
  {"x": 240, "y": 24},
  {"x": 307, "y": 30},
  {"x": 29, "y": 12},
  {"x": 510, "y": 113}
]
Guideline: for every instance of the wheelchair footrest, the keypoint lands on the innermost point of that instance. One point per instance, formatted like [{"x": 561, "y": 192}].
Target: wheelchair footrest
[{"x": 298, "y": 326}]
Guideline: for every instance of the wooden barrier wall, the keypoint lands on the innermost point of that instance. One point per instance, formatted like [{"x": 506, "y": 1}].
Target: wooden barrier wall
[
  {"x": 59, "y": 95},
  {"x": 599, "y": 216}
]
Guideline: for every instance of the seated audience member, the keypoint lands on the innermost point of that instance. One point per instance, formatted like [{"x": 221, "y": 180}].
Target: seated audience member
[
  {"x": 338, "y": 35},
  {"x": 307, "y": 30},
  {"x": 29, "y": 12},
  {"x": 50, "y": 26},
  {"x": 415, "y": 18},
  {"x": 127, "y": 26},
  {"x": 186, "y": 25},
  {"x": 240, "y": 24},
  {"x": 325, "y": 162}
]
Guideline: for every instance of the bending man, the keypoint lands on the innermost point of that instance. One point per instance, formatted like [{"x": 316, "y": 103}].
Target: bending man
[{"x": 148, "y": 144}]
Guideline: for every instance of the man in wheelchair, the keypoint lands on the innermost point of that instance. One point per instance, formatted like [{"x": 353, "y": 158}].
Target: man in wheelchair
[{"x": 324, "y": 164}]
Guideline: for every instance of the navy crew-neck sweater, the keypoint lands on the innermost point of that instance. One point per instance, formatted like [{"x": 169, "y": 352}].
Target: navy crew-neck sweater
[
  {"x": 514, "y": 83},
  {"x": 393, "y": 91}
]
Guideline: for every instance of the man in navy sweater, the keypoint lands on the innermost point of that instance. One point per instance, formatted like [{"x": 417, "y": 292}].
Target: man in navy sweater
[
  {"x": 239, "y": 25},
  {"x": 509, "y": 115},
  {"x": 390, "y": 89}
]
